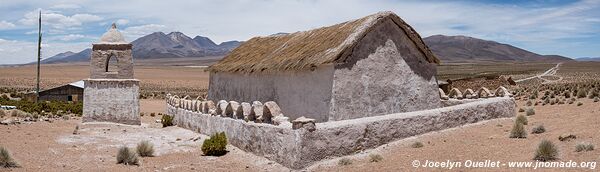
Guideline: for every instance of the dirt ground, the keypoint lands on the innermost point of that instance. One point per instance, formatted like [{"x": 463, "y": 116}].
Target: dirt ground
[{"x": 44, "y": 146}]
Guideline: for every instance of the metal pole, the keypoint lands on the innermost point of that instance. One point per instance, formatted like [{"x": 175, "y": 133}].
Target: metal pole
[{"x": 37, "y": 90}]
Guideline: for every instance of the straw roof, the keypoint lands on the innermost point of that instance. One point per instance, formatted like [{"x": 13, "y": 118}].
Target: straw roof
[{"x": 308, "y": 49}]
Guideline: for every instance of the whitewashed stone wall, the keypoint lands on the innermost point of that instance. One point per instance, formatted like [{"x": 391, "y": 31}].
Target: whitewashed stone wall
[{"x": 111, "y": 100}]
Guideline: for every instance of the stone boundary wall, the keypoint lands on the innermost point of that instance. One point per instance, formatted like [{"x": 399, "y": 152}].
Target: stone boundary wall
[{"x": 300, "y": 148}]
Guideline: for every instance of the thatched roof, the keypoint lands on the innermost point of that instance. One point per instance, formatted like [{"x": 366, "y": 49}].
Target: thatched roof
[{"x": 307, "y": 49}]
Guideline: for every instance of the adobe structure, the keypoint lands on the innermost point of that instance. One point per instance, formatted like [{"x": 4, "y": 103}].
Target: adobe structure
[
  {"x": 372, "y": 66},
  {"x": 308, "y": 96},
  {"x": 111, "y": 94}
]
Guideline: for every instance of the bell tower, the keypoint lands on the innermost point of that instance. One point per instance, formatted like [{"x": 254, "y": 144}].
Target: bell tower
[{"x": 111, "y": 94}]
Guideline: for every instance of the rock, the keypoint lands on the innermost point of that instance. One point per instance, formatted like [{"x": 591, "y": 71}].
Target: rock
[
  {"x": 231, "y": 108},
  {"x": 7, "y": 122},
  {"x": 281, "y": 120},
  {"x": 256, "y": 111},
  {"x": 243, "y": 111},
  {"x": 304, "y": 122}
]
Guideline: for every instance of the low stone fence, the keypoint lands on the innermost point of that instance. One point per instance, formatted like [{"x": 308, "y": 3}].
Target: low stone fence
[
  {"x": 482, "y": 92},
  {"x": 299, "y": 148}
]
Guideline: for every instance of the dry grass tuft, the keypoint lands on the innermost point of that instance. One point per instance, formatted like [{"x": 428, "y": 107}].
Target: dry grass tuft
[
  {"x": 546, "y": 151},
  {"x": 538, "y": 129},
  {"x": 417, "y": 145},
  {"x": 518, "y": 131},
  {"x": 375, "y": 158},
  {"x": 127, "y": 156},
  {"x": 345, "y": 161},
  {"x": 145, "y": 149},
  {"x": 6, "y": 160},
  {"x": 584, "y": 147}
]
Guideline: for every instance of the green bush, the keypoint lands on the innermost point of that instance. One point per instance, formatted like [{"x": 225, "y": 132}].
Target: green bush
[
  {"x": 538, "y": 129},
  {"x": 375, "y": 158},
  {"x": 546, "y": 151},
  {"x": 518, "y": 131},
  {"x": 521, "y": 119},
  {"x": 55, "y": 107},
  {"x": 215, "y": 145},
  {"x": 145, "y": 149},
  {"x": 6, "y": 160},
  {"x": 166, "y": 120},
  {"x": 127, "y": 156}
]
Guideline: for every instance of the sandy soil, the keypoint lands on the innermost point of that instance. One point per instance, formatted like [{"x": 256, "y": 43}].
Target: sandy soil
[
  {"x": 44, "y": 146},
  {"x": 488, "y": 141}
]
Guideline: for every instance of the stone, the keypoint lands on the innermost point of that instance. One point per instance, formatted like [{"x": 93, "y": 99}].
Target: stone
[
  {"x": 455, "y": 93},
  {"x": 270, "y": 110},
  {"x": 256, "y": 111},
  {"x": 281, "y": 120},
  {"x": 443, "y": 95},
  {"x": 300, "y": 122},
  {"x": 7, "y": 121},
  {"x": 468, "y": 93},
  {"x": 209, "y": 107},
  {"x": 502, "y": 92},
  {"x": 244, "y": 111},
  {"x": 484, "y": 93},
  {"x": 221, "y": 105},
  {"x": 231, "y": 108}
]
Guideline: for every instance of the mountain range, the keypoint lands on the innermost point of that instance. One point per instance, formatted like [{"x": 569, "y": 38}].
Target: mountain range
[
  {"x": 469, "y": 49},
  {"x": 159, "y": 45},
  {"x": 596, "y": 59},
  {"x": 446, "y": 48}
]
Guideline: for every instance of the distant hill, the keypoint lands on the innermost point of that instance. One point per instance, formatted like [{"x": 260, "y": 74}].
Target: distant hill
[
  {"x": 469, "y": 49},
  {"x": 596, "y": 59},
  {"x": 159, "y": 45}
]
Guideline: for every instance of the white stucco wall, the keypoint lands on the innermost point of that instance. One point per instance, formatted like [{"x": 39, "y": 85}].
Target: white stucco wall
[
  {"x": 111, "y": 100},
  {"x": 298, "y": 93},
  {"x": 386, "y": 73}
]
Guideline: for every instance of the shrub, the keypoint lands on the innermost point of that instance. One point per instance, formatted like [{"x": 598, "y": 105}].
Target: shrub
[
  {"x": 215, "y": 145},
  {"x": 567, "y": 94},
  {"x": 529, "y": 103},
  {"x": 375, "y": 158},
  {"x": 344, "y": 161},
  {"x": 2, "y": 113},
  {"x": 546, "y": 151},
  {"x": 152, "y": 114},
  {"x": 596, "y": 99},
  {"x": 127, "y": 156},
  {"x": 6, "y": 160},
  {"x": 521, "y": 119},
  {"x": 581, "y": 93},
  {"x": 145, "y": 149},
  {"x": 579, "y": 103},
  {"x": 518, "y": 131},
  {"x": 166, "y": 120},
  {"x": 416, "y": 145},
  {"x": 521, "y": 110},
  {"x": 530, "y": 111},
  {"x": 584, "y": 147},
  {"x": 538, "y": 129}
]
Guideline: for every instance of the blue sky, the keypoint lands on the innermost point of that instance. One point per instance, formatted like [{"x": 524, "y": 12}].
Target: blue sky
[{"x": 569, "y": 28}]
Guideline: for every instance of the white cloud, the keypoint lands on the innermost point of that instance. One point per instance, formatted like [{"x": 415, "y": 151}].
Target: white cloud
[
  {"x": 135, "y": 32},
  {"x": 6, "y": 25},
  {"x": 122, "y": 22},
  {"x": 65, "y": 6},
  {"x": 57, "y": 20},
  {"x": 18, "y": 52},
  {"x": 71, "y": 37}
]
